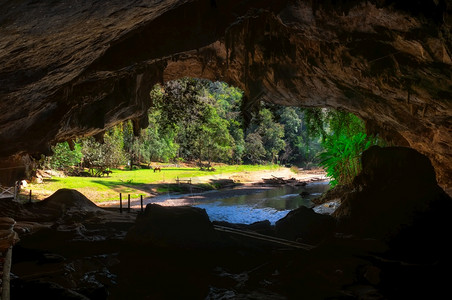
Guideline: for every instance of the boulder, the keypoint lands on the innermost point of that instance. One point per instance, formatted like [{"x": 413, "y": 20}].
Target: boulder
[
  {"x": 396, "y": 199},
  {"x": 62, "y": 202},
  {"x": 8, "y": 237},
  {"x": 262, "y": 227},
  {"x": 303, "y": 223},
  {"x": 183, "y": 227},
  {"x": 333, "y": 194},
  {"x": 7, "y": 223}
]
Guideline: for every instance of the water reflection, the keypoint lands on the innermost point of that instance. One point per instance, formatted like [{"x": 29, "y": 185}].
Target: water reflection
[{"x": 272, "y": 204}]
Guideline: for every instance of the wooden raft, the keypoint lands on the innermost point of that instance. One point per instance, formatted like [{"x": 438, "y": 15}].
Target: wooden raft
[{"x": 8, "y": 237}]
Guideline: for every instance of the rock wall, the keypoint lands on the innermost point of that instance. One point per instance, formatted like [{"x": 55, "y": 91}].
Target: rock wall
[
  {"x": 76, "y": 68},
  {"x": 396, "y": 199}
]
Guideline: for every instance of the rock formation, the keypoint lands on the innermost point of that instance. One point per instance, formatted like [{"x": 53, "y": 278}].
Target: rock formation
[
  {"x": 396, "y": 199},
  {"x": 68, "y": 246},
  {"x": 304, "y": 224},
  {"x": 173, "y": 227},
  {"x": 76, "y": 68}
]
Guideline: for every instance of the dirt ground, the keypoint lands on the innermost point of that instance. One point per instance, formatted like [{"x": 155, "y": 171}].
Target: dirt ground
[
  {"x": 248, "y": 184},
  {"x": 257, "y": 176}
]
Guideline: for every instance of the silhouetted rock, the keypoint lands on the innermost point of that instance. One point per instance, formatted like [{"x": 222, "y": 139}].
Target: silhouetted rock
[
  {"x": 303, "y": 223},
  {"x": 333, "y": 194},
  {"x": 179, "y": 227},
  {"x": 262, "y": 227},
  {"x": 396, "y": 199},
  {"x": 304, "y": 194}
]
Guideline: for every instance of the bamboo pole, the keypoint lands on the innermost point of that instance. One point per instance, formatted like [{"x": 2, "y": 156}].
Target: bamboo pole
[
  {"x": 141, "y": 200},
  {"x": 120, "y": 202},
  {"x": 6, "y": 275},
  {"x": 128, "y": 202},
  {"x": 263, "y": 237}
]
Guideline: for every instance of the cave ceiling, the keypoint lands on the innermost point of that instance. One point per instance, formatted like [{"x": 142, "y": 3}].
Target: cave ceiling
[{"x": 76, "y": 68}]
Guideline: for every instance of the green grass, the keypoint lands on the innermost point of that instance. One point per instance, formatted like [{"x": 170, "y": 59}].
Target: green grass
[{"x": 133, "y": 182}]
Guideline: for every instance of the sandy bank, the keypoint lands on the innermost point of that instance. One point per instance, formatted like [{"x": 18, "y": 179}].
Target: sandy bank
[
  {"x": 250, "y": 183},
  {"x": 257, "y": 176}
]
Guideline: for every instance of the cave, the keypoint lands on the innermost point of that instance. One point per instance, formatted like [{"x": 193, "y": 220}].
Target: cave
[{"x": 74, "y": 69}]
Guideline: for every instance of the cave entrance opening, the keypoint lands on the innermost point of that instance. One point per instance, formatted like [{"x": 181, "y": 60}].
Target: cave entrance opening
[
  {"x": 300, "y": 138},
  {"x": 212, "y": 121},
  {"x": 203, "y": 125}
]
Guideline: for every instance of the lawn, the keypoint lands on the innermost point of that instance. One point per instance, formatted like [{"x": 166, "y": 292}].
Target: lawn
[{"x": 133, "y": 182}]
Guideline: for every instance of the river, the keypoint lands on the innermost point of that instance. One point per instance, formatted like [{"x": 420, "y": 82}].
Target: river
[{"x": 247, "y": 205}]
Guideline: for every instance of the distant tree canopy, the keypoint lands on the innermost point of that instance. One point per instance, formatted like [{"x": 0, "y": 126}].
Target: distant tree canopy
[
  {"x": 198, "y": 120},
  {"x": 189, "y": 110}
]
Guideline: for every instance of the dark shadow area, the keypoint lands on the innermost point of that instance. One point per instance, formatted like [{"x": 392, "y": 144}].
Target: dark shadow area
[{"x": 387, "y": 240}]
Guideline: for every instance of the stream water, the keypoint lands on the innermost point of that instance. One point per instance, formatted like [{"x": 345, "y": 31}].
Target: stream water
[{"x": 251, "y": 205}]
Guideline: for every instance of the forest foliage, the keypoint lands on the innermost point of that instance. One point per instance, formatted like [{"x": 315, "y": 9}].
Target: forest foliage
[
  {"x": 343, "y": 139},
  {"x": 199, "y": 120}
]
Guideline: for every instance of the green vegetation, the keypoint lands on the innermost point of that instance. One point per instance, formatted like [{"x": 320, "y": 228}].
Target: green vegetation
[
  {"x": 63, "y": 157},
  {"x": 135, "y": 182},
  {"x": 343, "y": 140},
  {"x": 194, "y": 120}
]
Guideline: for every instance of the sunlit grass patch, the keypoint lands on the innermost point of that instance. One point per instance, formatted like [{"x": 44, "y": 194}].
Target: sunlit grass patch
[{"x": 134, "y": 182}]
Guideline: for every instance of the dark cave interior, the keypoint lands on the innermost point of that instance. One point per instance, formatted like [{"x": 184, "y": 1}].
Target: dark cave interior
[{"x": 76, "y": 69}]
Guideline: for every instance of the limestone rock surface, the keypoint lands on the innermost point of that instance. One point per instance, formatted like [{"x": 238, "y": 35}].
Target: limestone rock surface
[{"x": 77, "y": 68}]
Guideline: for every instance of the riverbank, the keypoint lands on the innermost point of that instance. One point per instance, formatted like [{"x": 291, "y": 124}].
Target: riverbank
[
  {"x": 135, "y": 182},
  {"x": 245, "y": 183},
  {"x": 254, "y": 177}
]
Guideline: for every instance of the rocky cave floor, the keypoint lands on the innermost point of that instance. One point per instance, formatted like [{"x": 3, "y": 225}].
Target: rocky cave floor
[
  {"x": 71, "y": 249},
  {"x": 389, "y": 239}
]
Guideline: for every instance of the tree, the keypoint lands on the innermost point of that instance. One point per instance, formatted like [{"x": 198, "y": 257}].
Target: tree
[
  {"x": 187, "y": 109},
  {"x": 179, "y": 101},
  {"x": 209, "y": 137},
  {"x": 254, "y": 148},
  {"x": 195, "y": 119},
  {"x": 109, "y": 154},
  {"x": 301, "y": 148},
  {"x": 93, "y": 156},
  {"x": 227, "y": 100},
  {"x": 153, "y": 144},
  {"x": 238, "y": 146},
  {"x": 271, "y": 132},
  {"x": 343, "y": 139},
  {"x": 63, "y": 157},
  {"x": 113, "y": 148},
  {"x": 161, "y": 144}
]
